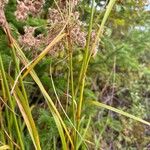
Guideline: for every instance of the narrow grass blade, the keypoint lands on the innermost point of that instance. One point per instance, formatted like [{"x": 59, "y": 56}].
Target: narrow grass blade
[
  {"x": 84, "y": 133},
  {"x": 12, "y": 104},
  {"x": 60, "y": 129},
  {"x": 101, "y": 28},
  {"x": 98, "y": 104},
  {"x": 26, "y": 113}
]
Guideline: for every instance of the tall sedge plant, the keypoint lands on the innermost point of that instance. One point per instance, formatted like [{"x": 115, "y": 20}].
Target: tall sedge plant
[
  {"x": 18, "y": 97},
  {"x": 88, "y": 54},
  {"x": 59, "y": 121},
  {"x": 86, "y": 60}
]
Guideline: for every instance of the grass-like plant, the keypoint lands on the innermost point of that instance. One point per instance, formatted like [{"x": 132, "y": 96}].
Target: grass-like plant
[{"x": 14, "y": 93}]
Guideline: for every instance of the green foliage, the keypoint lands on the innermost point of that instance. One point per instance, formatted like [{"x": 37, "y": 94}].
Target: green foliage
[{"x": 47, "y": 130}]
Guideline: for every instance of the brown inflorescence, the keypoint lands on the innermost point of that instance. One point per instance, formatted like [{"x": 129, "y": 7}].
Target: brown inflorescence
[
  {"x": 2, "y": 18},
  {"x": 54, "y": 16},
  {"x": 26, "y": 7},
  {"x": 66, "y": 3},
  {"x": 93, "y": 37},
  {"x": 22, "y": 11},
  {"x": 28, "y": 41},
  {"x": 3, "y": 2},
  {"x": 56, "y": 19},
  {"x": 2, "y": 14},
  {"x": 77, "y": 36}
]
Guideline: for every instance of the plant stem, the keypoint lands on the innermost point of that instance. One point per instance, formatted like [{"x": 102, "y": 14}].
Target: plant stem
[
  {"x": 83, "y": 69},
  {"x": 70, "y": 51},
  {"x": 16, "y": 60},
  {"x": 81, "y": 81}
]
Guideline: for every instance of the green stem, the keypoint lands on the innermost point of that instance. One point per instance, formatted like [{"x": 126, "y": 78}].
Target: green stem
[
  {"x": 81, "y": 81},
  {"x": 86, "y": 49},
  {"x": 70, "y": 51},
  {"x": 16, "y": 60},
  {"x": 83, "y": 69}
]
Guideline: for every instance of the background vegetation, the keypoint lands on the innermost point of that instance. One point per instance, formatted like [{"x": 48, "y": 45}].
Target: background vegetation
[{"x": 74, "y": 74}]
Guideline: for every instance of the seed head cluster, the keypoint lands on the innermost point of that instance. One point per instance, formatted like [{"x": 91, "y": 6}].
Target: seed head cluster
[
  {"x": 28, "y": 41},
  {"x": 2, "y": 15},
  {"x": 2, "y": 18},
  {"x": 26, "y": 7},
  {"x": 77, "y": 35},
  {"x": 54, "y": 16},
  {"x": 66, "y": 3},
  {"x": 3, "y": 2},
  {"x": 56, "y": 20}
]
